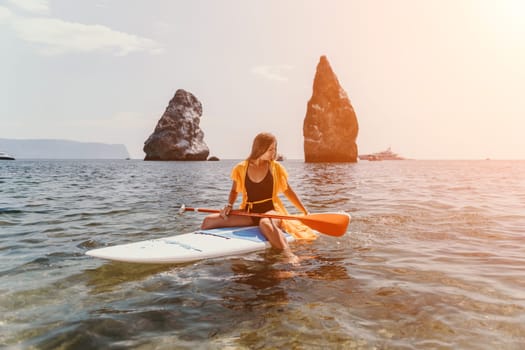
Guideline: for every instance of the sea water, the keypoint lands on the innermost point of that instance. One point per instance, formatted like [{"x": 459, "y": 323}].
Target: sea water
[{"x": 434, "y": 258}]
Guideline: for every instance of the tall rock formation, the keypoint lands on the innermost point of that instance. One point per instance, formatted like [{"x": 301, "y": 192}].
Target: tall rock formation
[
  {"x": 178, "y": 135},
  {"x": 330, "y": 126}
]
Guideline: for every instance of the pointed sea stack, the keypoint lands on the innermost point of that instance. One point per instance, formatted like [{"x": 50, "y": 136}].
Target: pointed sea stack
[
  {"x": 178, "y": 135},
  {"x": 330, "y": 126}
]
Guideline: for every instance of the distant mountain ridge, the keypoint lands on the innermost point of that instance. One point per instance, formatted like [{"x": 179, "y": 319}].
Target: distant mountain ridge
[{"x": 61, "y": 149}]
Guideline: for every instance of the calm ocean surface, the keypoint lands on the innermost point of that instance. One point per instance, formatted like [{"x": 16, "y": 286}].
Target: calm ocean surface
[{"x": 434, "y": 258}]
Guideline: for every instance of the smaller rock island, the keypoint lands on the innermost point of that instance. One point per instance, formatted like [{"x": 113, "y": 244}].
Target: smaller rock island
[{"x": 177, "y": 135}]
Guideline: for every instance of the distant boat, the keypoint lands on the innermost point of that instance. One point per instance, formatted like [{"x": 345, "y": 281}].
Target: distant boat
[
  {"x": 5, "y": 156},
  {"x": 384, "y": 155}
]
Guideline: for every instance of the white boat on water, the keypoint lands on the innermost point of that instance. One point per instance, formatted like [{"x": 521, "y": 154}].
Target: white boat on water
[
  {"x": 383, "y": 155},
  {"x": 5, "y": 156}
]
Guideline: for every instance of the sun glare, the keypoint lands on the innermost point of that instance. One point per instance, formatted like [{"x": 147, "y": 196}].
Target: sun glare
[{"x": 503, "y": 18}]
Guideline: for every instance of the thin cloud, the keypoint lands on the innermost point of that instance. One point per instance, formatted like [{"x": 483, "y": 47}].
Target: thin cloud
[
  {"x": 275, "y": 73},
  {"x": 40, "y": 7},
  {"x": 56, "y": 37},
  {"x": 5, "y": 14},
  {"x": 52, "y": 36}
]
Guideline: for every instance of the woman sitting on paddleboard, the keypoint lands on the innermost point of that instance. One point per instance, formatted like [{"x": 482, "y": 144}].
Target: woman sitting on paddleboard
[{"x": 260, "y": 179}]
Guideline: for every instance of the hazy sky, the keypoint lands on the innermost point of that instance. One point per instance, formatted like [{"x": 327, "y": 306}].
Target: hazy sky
[{"x": 430, "y": 78}]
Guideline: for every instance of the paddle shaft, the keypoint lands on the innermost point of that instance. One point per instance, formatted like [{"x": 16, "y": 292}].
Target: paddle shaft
[
  {"x": 245, "y": 213},
  {"x": 333, "y": 224}
]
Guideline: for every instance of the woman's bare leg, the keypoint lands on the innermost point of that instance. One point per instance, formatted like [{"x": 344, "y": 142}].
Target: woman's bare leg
[
  {"x": 270, "y": 229},
  {"x": 216, "y": 221}
]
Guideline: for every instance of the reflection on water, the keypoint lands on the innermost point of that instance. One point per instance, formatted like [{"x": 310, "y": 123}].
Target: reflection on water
[
  {"x": 326, "y": 185},
  {"x": 256, "y": 286}
]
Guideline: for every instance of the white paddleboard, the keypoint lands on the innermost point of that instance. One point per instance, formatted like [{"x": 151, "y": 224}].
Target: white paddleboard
[{"x": 202, "y": 244}]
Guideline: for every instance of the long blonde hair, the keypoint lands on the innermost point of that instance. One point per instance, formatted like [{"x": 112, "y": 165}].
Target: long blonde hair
[{"x": 260, "y": 145}]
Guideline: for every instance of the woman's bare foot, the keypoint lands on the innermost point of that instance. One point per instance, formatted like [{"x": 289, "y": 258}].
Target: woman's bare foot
[{"x": 290, "y": 257}]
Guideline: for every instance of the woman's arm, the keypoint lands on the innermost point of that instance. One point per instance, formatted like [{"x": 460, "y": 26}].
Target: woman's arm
[
  {"x": 292, "y": 196},
  {"x": 231, "y": 200}
]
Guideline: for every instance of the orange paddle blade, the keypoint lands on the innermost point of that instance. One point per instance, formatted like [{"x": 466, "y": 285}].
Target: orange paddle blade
[{"x": 333, "y": 224}]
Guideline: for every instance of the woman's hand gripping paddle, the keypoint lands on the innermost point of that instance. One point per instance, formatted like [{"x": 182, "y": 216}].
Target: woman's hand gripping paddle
[{"x": 332, "y": 224}]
